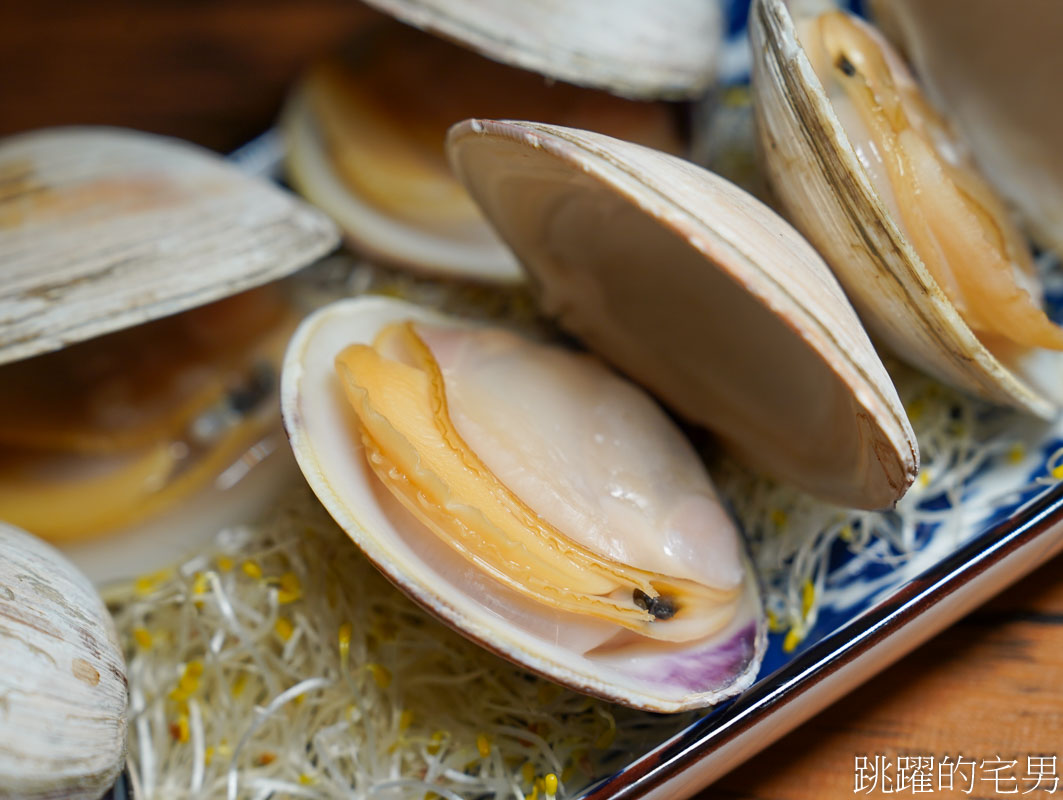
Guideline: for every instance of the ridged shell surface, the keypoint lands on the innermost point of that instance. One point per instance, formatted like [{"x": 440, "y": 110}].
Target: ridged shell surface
[
  {"x": 633, "y": 48},
  {"x": 62, "y": 678},
  {"x": 102, "y": 229}
]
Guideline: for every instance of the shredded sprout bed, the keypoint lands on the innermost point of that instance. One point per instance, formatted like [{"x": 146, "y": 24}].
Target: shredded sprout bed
[
  {"x": 975, "y": 461},
  {"x": 279, "y": 663}
]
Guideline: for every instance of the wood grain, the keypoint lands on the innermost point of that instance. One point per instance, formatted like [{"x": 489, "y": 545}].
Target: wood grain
[
  {"x": 210, "y": 72},
  {"x": 215, "y": 73}
]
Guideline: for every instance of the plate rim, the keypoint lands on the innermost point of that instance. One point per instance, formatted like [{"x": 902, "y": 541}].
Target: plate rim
[{"x": 877, "y": 624}]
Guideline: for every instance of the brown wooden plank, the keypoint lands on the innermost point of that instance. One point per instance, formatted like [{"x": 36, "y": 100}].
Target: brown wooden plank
[{"x": 211, "y": 72}]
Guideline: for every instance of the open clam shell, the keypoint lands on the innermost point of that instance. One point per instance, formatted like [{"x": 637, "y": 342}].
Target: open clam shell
[
  {"x": 102, "y": 229},
  {"x": 994, "y": 67},
  {"x": 336, "y": 446},
  {"x": 702, "y": 294},
  {"x": 629, "y": 47},
  {"x": 62, "y": 677},
  {"x": 364, "y": 137},
  {"x": 827, "y": 193}
]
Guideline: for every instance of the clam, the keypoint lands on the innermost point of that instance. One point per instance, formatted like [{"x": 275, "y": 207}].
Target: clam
[
  {"x": 529, "y": 497},
  {"x": 364, "y": 129},
  {"x": 881, "y": 184},
  {"x": 991, "y": 68},
  {"x": 702, "y": 294},
  {"x": 544, "y": 506},
  {"x": 115, "y": 404},
  {"x": 62, "y": 677}
]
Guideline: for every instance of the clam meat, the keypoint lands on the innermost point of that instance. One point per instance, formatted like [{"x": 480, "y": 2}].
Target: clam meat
[
  {"x": 141, "y": 333},
  {"x": 101, "y": 435},
  {"x": 364, "y": 135},
  {"x": 882, "y": 184},
  {"x": 528, "y": 496}
]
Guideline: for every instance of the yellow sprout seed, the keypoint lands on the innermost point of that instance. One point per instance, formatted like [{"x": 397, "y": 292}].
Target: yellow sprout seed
[
  {"x": 483, "y": 745},
  {"x": 252, "y": 569},
  {"x": 179, "y": 729},
  {"x": 146, "y": 584},
  {"x": 283, "y": 628},
  {"x": 142, "y": 637},
  {"x": 380, "y": 674},
  {"x": 808, "y": 595},
  {"x": 345, "y": 640},
  {"x": 290, "y": 588},
  {"x": 550, "y": 782}
]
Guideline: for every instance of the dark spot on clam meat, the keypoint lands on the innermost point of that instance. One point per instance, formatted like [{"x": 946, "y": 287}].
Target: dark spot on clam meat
[
  {"x": 660, "y": 607},
  {"x": 845, "y": 65}
]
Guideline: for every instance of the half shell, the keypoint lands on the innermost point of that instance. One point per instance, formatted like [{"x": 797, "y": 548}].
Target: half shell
[
  {"x": 827, "y": 193},
  {"x": 102, "y": 229},
  {"x": 635, "y": 468},
  {"x": 629, "y": 47},
  {"x": 702, "y": 294},
  {"x": 62, "y": 678}
]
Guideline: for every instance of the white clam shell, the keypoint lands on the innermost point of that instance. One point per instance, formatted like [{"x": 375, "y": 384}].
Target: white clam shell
[
  {"x": 324, "y": 437},
  {"x": 630, "y": 47},
  {"x": 62, "y": 677},
  {"x": 102, "y": 229},
  {"x": 477, "y": 254},
  {"x": 701, "y": 293},
  {"x": 828, "y": 196}
]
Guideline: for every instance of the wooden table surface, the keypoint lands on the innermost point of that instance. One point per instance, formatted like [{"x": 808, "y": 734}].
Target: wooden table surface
[{"x": 215, "y": 73}]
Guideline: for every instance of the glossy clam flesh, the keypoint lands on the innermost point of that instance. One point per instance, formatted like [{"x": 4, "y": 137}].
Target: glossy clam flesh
[
  {"x": 878, "y": 180},
  {"x": 959, "y": 227},
  {"x": 529, "y": 497},
  {"x": 107, "y": 433},
  {"x": 364, "y": 135}
]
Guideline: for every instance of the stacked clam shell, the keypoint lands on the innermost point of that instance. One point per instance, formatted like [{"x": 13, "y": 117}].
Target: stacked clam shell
[{"x": 528, "y": 496}]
